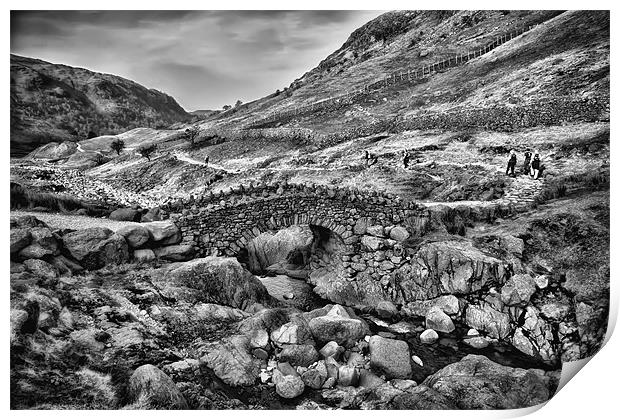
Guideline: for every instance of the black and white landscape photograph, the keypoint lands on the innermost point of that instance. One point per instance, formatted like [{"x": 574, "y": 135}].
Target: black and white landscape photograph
[{"x": 306, "y": 209}]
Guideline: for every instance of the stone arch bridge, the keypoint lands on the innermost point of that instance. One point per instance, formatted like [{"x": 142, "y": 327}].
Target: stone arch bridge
[{"x": 373, "y": 259}]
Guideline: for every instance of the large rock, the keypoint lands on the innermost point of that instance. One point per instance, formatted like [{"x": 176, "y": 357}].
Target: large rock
[
  {"x": 152, "y": 215},
  {"x": 144, "y": 255},
  {"x": 294, "y": 332},
  {"x": 299, "y": 354},
  {"x": 399, "y": 233},
  {"x": 337, "y": 325},
  {"x": 149, "y": 387},
  {"x": 164, "y": 232},
  {"x": 314, "y": 378},
  {"x": 386, "y": 309},
  {"x": 290, "y": 387},
  {"x": 449, "y": 304},
  {"x": 518, "y": 290},
  {"x": 135, "y": 235},
  {"x": 43, "y": 244},
  {"x": 286, "y": 245},
  {"x": 450, "y": 267},
  {"x": 175, "y": 252},
  {"x": 125, "y": 215},
  {"x": 20, "y": 238},
  {"x": 535, "y": 336},
  {"x": 429, "y": 336},
  {"x": 212, "y": 280},
  {"x": 486, "y": 318},
  {"x": 41, "y": 269},
  {"x": 390, "y": 357},
  {"x": 478, "y": 383},
  {"x": 437, "y": 320},
  {"x": 94, "y": 248},
  {"x": 231, "y": 361}
]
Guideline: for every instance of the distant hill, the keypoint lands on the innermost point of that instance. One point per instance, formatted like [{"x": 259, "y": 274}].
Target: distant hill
[{"x": 54, "y": 102}]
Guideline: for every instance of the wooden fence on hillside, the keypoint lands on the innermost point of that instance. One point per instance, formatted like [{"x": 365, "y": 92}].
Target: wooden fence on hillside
[{"x": 410, "y": 76}]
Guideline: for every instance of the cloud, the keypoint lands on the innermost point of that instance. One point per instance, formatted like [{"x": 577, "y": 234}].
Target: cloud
[{"x": 203, "y": 58}]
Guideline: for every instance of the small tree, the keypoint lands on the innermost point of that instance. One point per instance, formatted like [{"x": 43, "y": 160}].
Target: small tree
[
  {"x": 147, "y": 150},
  {"x": 226, "y": 107},
  {"x": 191, "y": 134},
  {"x": 238, "y": 103},
  {"x": 117, "y": 146}
]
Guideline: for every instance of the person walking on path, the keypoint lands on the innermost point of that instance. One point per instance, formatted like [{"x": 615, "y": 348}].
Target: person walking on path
[
  {"x": 512, "y": 162},
  {"x": 406, "y": 158},
  {"x": 526, "y": 162},
  {"x": 535, "y": 171}
]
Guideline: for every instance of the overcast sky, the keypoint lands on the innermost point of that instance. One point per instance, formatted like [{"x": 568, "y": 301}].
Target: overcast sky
[{"x": 204, "y": 59}]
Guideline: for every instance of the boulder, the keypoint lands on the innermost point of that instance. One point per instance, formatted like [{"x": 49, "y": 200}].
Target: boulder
[
  {"x": 367, "y": 379},
  {"x": 34, "y": 251},
  {"x": 143, "y": 255},
  {"x": 164, "y": 232},
  {"x": 175, "y": 252},
  {"x": 448, "y": 304},
  {"x": 135, "y": 235},
  {"x": 437, "y": 320},
  {"x": 212, "y": 280},
  {"x": 20, "y": 238},
  {"x": 26, "y": 222},
  {"x": 149, "y": 387},
  {"x": 386, "y": 309},
  {"x": 66, "y": 265},
  {"x": 331, "y": 349},
  {"x": 294, "y": 332},
  {"x": 348, "y": 376},
  {"x": 259, "y": 339},
  {"x": 231, "y": 360},
  {"x": 390, "y": 357},
  {"x": 299, "y": 354},
  {"x": 290, "y": 387},
  {"x": 152, "y": 215},
  {"x": 421, "y": 398},
  {"x": 313, "y": 378},
  {"x": 448, "y": 268},
  {"x": 268, "y": 249},
  {"x": 476, "y": 383},
  {"x": 337, "y": 325},
  {"x": 484, "y": 317},
  {"x": 399, "y": 233},
  {"x": 41, "y": 269},
  {"x": 518, "y": 290},
  {"x": 94, "y": 248},
  {"x": 125, "y": 215},
  {"x": 535, "y": 337},
  {"x": 429, "y": 336}
]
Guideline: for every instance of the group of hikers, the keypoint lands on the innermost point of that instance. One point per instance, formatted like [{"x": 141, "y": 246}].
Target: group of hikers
[
  {"x": 531, "y": 166},
  {"x": 371, "y": 159}
]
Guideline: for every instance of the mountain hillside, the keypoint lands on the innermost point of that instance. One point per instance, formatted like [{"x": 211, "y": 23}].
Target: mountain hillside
[
  {"x": 548, "y": 57},
  {"x": 54, "y": 102}
]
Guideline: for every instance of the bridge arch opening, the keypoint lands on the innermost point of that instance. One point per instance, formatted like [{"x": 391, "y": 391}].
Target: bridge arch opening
[{"x": 288, "y": 260}]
